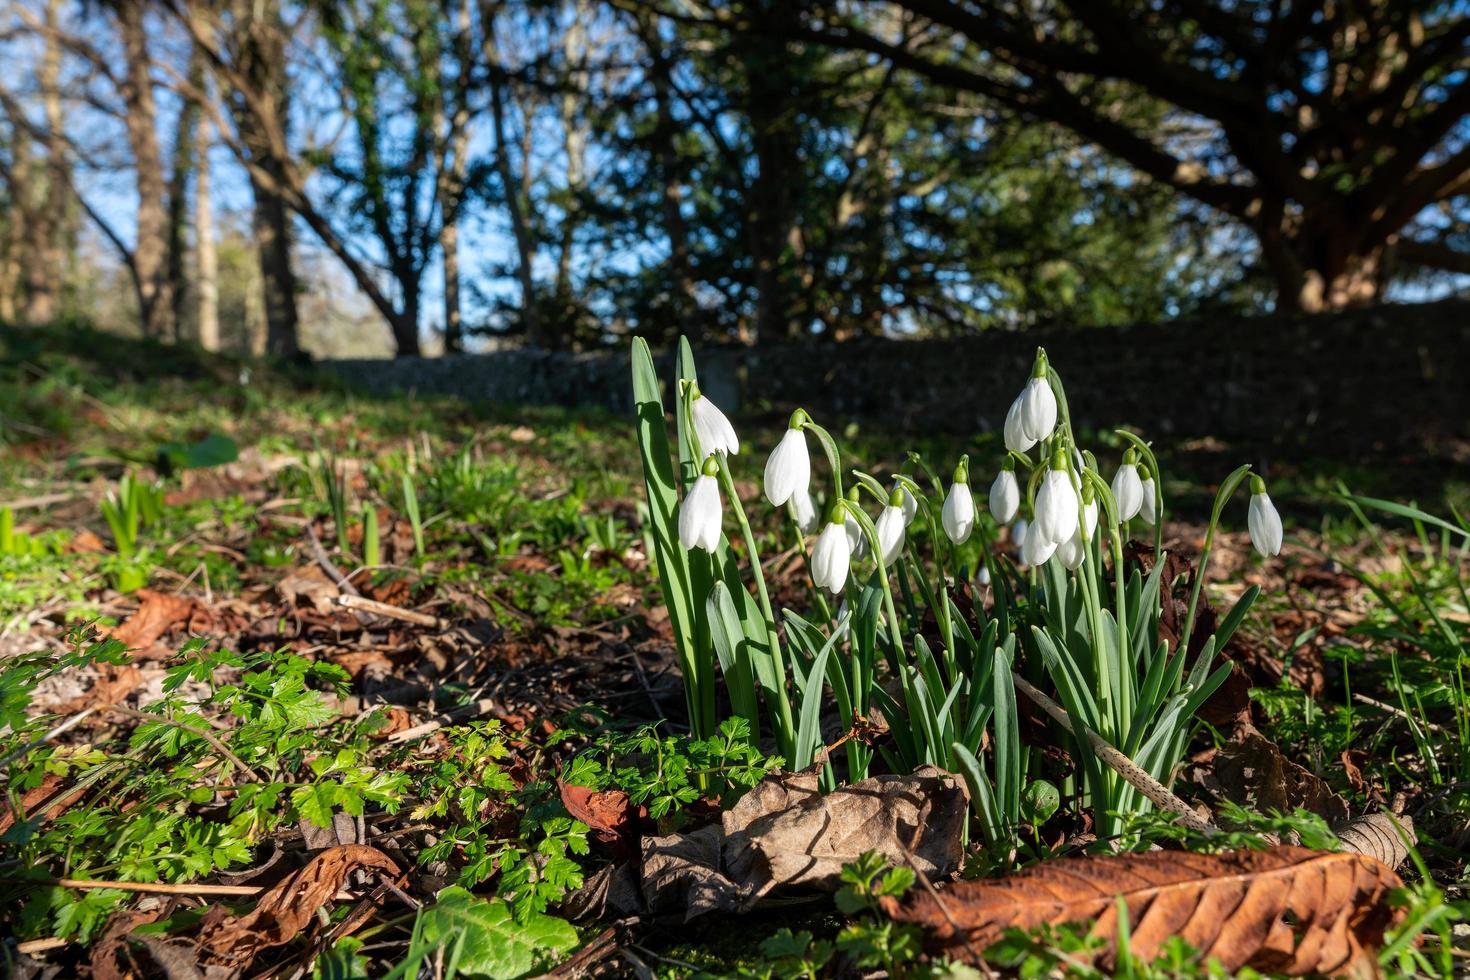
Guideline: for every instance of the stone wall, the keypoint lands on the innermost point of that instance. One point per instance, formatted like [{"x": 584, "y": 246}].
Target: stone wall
[{"x": 1379, "y": 379}]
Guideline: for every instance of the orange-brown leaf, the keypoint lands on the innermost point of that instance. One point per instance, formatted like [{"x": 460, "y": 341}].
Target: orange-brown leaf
[
  {"x": 286, "y": 909},
  {"x": 1287, "y": 910}
]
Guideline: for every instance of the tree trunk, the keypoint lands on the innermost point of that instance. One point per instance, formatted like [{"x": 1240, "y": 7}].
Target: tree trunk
[
  {"x": 186, "y": 135},
  {"x": 206, "y": 258},
  {"x": 47, "y": 219},
  {"x": 1322, "y": 267},
  {"x": 271, "y": 223},
  {"x": 449, "y": 186},
  {"x": 682, "y": 304},
  {"x": 770, "y": 199},
  {"x": 262, "y": 62},
  {"x": 150, "y": 255},
  {"x": 522, "y": 233}
]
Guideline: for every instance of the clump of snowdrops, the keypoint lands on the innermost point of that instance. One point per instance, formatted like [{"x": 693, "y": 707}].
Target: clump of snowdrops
[{"x": 932, "y": 633}]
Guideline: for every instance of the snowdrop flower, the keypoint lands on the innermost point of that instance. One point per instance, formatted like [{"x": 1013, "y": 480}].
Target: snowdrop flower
[
  {"x": 1005, "y": 494},
  {"x": 1056, "y": 504},
  {"x": 890, "y": 528},
  {"x": 1264, "y": 522},
  {"x": 1128, "y": 488},
  {"x": 982, "y": 576},
  {"x": 1148, "y": 507},
  {"x": 1036, "y": 550},
  {"x": 1073, "y": 551},
  {"x": 856, "y": 539},
  {"x": 714, "y": 431},
  {"x": 833, "y": 554},
  {"x": 803, "y": 511},
  {"x": 1018, "y": 532},
  {"x": 1016, "y": 439},
  {"x": 790, "y": 467},
  {"x": 700, "y": 514},
  {"x": 909, "y": 504},
  {"x": 958, "y": 513},
  {"x": 1089, "y": 513}
]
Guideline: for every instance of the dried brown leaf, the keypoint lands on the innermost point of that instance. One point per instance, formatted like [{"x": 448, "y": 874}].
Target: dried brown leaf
[
  {"x": 1255, "y": 773},
  {"x": 1287, "y": 910},
  {"x": 612, "y": 817},
  {"x": 281, "y": 913},
  {"x": 159, "y": 613}
]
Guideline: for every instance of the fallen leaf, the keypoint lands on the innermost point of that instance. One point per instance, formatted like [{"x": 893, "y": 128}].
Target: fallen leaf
[
  {"x": 609, "y": 813},
  {"x": 281, "y": 913},
  {"x": 522, "y": 433},
  {"x": 85, "y": 541},
  {"x": 309, "y": 586},
  {"x": 159, "y": 613},
  {"x": 1377, "y": 835},
  {"x": 115, "y": 682},
  {"x": 785, "y": 832},
  {"x": 1255, "y": 773},
  {"x": 103, "y": 957},
  {"x": 1287, "y": 910}
]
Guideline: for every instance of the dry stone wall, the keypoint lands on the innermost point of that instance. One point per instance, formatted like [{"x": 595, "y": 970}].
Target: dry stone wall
[{"x": 1380, "y": 379}]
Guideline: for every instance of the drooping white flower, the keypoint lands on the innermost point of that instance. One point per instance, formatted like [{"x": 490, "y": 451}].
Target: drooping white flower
[
  {"x": 1264, "y": 522},
  {"x": 1072, "y": 551},
  {"x": 831, "y": 558},
  {"x": 890, "y": 527},
  {"x": 958, "y": 513},
  {"x": 803, "y": 510},
  {"x": 1148, "y": 507},
  {"x": 910, "y": 504},
  {"x": 789, "y": 469},
  {"x": 857, "y": 541},
  {"x": 716, "y": 434},
  {"x": 1089, "y": 517},
  {"x": 1038, "y": 409},
  {"x": 1005, "y": 495},
  {"x": 1015, "y": 435},
  {"x": 1018, "y": 532},
  {"x": 1056, "y": 506},
  {"x": 1128, "y": 491},
  {"x": 982, "y": 575},
  {"x": 700, "y": 514},
  {"x": 1036, "y": 550}
]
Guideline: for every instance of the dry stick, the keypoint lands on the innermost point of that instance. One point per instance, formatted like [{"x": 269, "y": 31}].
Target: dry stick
[
  {"x": 392, "y": 612},
  {"x": 150, "y": 887},
  {"x": 484, "y": 706},
  {"x": 1399, "y": 712},
  {"x": 220, "y": 747},
  {"x": 1150, "y": 787}
]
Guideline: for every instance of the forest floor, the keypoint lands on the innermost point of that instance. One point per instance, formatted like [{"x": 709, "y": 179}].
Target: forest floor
[{"x": 295, "y": 682}]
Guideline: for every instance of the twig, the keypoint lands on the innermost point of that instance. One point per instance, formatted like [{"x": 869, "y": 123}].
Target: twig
[
  {"x": 150, "y": 887},
  {"x": 484, "y": 706},
  {"x": 43, "y": 500},
  {"x": 65, "y": 726},
  {"x": 392, "y": 612},
  {"x": 220, "y": 747},
  {"x": 1371, "y": 702},
  {"x": 333, "y": 572},
  {"x": 1150, "y": 787},
  {"x": 41, "y": 945}
]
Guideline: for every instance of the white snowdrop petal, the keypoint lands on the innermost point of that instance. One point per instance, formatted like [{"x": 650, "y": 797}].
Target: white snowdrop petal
[
  {"x": 1127, "y": 491},
  {"x": 1265, "y": 525},
  {"x": 958, "y": 513},
  {"x": 1148, "y": 506},
  {"x": 1056, "y": 507},
  {"x": 1036, "y": 549},
  {"x": 789, "y": 468},
  {"x": 699, "y": 515},
  {"x": 714, "y": 430},
  {"x": 1038, "y": 409},
  {"x": 890, "y": 528},
  {"x": 1015, "y": 435},
  {"x": 1005, "y": 497}
]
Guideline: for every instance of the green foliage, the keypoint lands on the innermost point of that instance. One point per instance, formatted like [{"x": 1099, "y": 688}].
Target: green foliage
[
  {"x": 208, "y": 795},
  {"x": 874, "y": 941},
  {"x": 668, "y": 772},
  {"x": 486, "y": 940}
]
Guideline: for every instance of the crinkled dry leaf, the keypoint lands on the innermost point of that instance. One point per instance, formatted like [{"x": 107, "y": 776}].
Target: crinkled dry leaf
[
  {"x": 609, "y": 813},
  {"x": 1378, "y": 836},
  {"x": 1288, "y": 910},
  {"x": 159, "y": 613},
  {"x": 1253, "y": 772},
  {"x": 281, "y": 913},
  {"x": 786, "y": 833}
]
